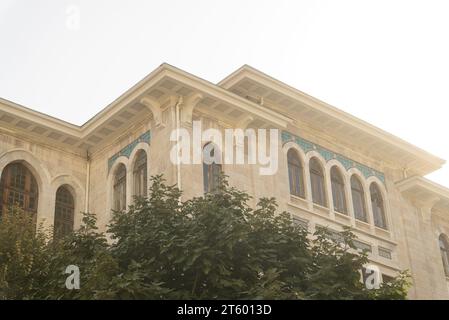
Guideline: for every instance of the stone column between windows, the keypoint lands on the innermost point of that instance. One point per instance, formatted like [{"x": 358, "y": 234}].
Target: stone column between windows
[
  {"x": 369, "y": 208},
  {"x": 349, "y": 204},
  {"x": 308, "y": 184},
  {"x": 46, "y": 207},
  {"x": 129, "y": 187},
  {"x": 329, "y": 195}
]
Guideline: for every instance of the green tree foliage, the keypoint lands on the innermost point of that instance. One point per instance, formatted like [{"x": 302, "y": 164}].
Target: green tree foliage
[
  {"x": 211, "y": 247},
  {"x": 21, "y": 255}
]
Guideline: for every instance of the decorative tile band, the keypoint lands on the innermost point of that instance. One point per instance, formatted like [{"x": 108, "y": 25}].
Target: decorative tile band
[
  {"x": 328, "y": 155},
  {"x": 126, "y": 151}
]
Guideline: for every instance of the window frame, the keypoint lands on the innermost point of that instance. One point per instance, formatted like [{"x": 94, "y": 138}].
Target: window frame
[
  {"x": 211, "y": 172},
  {"x": 119, "y": 186},
  {"x": 378, "y": 197},
  {"x": 64, "y": 219},
  {"x": 28, "y": 194},
  {"x": 444, "y": 251},
  {"x": 318, "y": 182},
  {"x": 140, "y": 174},
  {"x": 361, "y": 192},
  {"x": 338, "y": 190},
  {"x": 295, "y": 174}
]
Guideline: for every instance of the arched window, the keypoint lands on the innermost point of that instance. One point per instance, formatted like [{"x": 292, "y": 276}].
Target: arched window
[
  {"x": 211, "y": 167},
  {"x": 295, "y": 174},
  {"x": 338, "y": 191},
  {"x": 119, "y": 192},
  {"x": 377, "y": 203},
  {"x": 317, "y": 182},
  {"x": 444, "y": 249},
  {"x": 358, "y": 199},
  {"x": 140, "y": 174},
  {"x": 18, "y": 187},
  {"x": 64, "y": 213}
]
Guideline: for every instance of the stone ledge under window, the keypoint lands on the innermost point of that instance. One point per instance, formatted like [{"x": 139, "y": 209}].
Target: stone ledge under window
[
  {"x": 342, "y": 217},
  {"x": 366, "y": 231},
  {"x": 362, "y": 225},
  {"x": 382, "y": 232},
  {"x": 320, "y": 209},
  {"x": 298, "y": 201}
]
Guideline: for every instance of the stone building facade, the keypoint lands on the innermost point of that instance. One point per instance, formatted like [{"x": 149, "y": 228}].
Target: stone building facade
[{"x": 334, "y": 170}]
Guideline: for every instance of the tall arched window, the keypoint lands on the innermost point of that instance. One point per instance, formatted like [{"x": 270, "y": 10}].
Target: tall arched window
[
  {"x": 444, "y": 249},
  {"x": 64, "y": 213},
  {"x": 211, "y": 167},
  {"x": 18, "y": 187},
  {"x": 358, "y": 199},
  {"x": 317, "y": 182},
  {"x": 338, "y": 191},
  {"x": 295, "y": 174},
  {"x": 140, "y": 174},
  {"x": 119, "y": 192},
  {"x": 377, "y": 203}
]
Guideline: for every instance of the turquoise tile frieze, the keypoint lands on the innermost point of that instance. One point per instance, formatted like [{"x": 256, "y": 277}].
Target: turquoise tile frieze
[
  {"x": 328, "y": 155},
  {"x": 126, "y": 151}
]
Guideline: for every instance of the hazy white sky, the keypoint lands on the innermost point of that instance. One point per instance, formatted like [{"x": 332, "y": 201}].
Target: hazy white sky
[{"x": 386, "y": 62}]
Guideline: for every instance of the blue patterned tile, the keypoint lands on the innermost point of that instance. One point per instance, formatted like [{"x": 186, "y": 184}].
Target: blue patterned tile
[
  {"x": 348, "y": 164},
  {"x": 126, "y": 151},
  {"x": 286, "y": 137},
  {"x": 328, "y": 155}
]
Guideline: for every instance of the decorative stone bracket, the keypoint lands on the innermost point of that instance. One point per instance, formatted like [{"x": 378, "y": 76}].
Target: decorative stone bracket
[
  {"x": 426, "y": 207},
  {"x": 155, "y": 108},
  {"x": 188, "y": 106},
  {"x": 244, "y": 123},
  {"x": 424, "y": 195}
]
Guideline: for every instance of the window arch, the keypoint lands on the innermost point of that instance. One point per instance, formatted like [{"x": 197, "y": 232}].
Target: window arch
[
  {"x": 295, "y": 173},
  {"x": 338, "y": 191},
  {"x": 377, "y": 204},
  {"x": 140, "y": 174},
  {"x": 119, "y": 188},
  {"x": 444, "y": 249},
  {"x": 64, "y": 213},
  {"x": 358, "y": 199},
  {"x": 212, "y": 167},
  {"x": 18, "y": 187},
  {"x": 317, "y": 182}
]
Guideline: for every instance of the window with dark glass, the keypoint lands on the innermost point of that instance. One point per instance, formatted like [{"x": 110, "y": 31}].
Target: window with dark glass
[
  {"x": 444, "y": 249},
  {"x": 338, "y": 191},
  {"x": 18, "y": 187},
  {"x": 211, "y": 169},
  {"x": 119, "y": 192},
  {"x": 64, "y": 213},
  {"x": 358, "y": 199},
  {"x": 377, "y": 203},
  {"x": 295, "y": 174},
  {"x": 317, "y": 182},
  {"x": 140, "y": 175}
]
